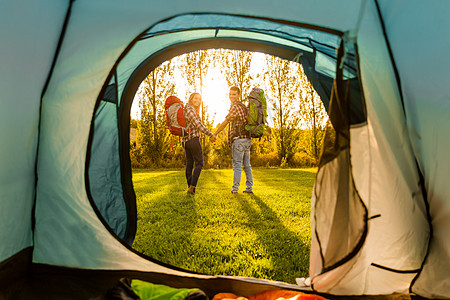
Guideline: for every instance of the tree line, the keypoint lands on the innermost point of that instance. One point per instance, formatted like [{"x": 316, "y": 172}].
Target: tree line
[{"x": 297, "y": 115}]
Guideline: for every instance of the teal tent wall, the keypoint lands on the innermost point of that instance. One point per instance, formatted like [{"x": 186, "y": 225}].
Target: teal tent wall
[
  {"x": 407, "y": 122},
  {"x": 29, "y": 40},
  {"x": 417, "y": 32}
]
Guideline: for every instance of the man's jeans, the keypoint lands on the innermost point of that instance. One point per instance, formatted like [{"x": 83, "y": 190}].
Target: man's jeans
[{"x": 240, "y": 150}]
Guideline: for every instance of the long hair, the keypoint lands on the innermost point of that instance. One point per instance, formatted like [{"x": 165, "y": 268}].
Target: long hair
[{"x": 191, "y": 97}]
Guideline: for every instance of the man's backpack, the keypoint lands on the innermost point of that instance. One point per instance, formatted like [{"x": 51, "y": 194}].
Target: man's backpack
[
  {"x": 175, "y": 116},
  {"x": 257, "y": 113}
]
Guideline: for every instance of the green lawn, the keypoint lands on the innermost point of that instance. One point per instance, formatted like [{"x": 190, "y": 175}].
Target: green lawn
[{"x": 265, "y": 235}]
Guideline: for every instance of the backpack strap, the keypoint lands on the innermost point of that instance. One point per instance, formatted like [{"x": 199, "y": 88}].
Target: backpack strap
[{"x": 256, "y": 128}]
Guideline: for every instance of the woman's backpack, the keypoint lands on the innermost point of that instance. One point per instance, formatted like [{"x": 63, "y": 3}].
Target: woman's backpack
[
  {"x": 175, "y": 116},
  {"x": 257, "y": 113}
]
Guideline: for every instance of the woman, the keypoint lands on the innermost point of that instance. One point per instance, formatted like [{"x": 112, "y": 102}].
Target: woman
[{"x": 191, "y": 141}]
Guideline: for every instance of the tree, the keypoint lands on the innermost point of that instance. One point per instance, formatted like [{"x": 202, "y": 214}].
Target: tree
[
  {"x": 152, "y": 135},
  {"x": 195, "y": 68},
  {"x": 282, "y": 88},
  {"x": 313, "y": 115},
  {"x": 133, "y": 123},
  {"x": 236, "y": 68}
]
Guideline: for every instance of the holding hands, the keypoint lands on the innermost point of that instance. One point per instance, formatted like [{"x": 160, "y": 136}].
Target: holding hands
[{"x": 219, "y": 129}]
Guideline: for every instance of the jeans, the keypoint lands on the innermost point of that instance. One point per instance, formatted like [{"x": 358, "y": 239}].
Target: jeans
[
  {"x": 194, "y": 156},
  {"x": 240, "y": 150}
]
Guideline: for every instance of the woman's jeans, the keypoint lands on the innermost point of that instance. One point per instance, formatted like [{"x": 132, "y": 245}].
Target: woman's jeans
[
  {"x": 194, "y": 156},
  {"x": 240, "y": 150}
]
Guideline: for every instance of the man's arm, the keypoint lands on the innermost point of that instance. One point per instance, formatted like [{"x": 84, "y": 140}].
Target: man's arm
[{"x": 221, "y": 127}]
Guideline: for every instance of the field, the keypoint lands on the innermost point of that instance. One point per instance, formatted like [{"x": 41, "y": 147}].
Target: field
[{"x": 264, "y": 235}]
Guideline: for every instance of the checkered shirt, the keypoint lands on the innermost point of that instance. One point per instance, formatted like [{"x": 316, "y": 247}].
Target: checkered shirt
[
  {"x": 193, "y": 124},
  {"x": 237, "y": 118}
]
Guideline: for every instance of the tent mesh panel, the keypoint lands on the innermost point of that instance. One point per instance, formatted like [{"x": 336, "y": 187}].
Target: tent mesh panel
[{"x": 340, "y": 214}]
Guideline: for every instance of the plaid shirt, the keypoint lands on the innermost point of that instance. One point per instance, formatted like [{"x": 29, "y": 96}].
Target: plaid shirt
[
  {"x": 193, "y": 124},
  {"x": 237, "y": 118}
]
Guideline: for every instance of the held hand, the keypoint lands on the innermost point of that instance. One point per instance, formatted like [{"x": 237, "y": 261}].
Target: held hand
[{"x": 212, "y": 138}]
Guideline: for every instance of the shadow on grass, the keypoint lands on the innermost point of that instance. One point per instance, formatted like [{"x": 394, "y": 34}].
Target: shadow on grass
[
  {"x": 166, "y": 216},
  {"x": 284, "y": 248},
  {"x": 217, "y": 232}
]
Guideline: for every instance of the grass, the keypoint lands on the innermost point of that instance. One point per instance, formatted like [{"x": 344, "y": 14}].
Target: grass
[{"x": 265, "y": 235}]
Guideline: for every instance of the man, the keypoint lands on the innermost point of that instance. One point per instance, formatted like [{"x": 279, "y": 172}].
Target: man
[{"x": 239, "y": 140}]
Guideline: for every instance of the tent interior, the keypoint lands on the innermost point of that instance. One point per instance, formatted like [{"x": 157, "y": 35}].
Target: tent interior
[{"x": 70, "y": 69}]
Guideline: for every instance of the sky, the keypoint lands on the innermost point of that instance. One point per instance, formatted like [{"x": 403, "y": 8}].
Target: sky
[{"x": 215, "y": 91}]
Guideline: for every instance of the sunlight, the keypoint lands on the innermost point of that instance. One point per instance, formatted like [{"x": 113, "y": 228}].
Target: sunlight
[
  {"x": 257, "y": 65},
  {"x": 214, "y": 91},
  {"x": 135, "y": 108},
  {"x": 215, "y": 95}
]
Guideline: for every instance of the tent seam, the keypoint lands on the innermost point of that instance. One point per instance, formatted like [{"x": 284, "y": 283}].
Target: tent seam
[
  {"x": 391, "y": 55},
  {"x": 419, "y": 170},
  {"x": 44, "y": 89}
]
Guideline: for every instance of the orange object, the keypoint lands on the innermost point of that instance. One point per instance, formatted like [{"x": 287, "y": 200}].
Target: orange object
[{"x": 271, "y": 295}]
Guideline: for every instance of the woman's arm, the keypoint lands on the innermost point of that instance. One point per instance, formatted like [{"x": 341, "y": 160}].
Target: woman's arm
[{"x": 197, "y": 123}]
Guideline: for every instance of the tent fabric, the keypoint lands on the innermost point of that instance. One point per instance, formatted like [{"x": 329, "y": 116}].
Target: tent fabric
[
  {"x": 373, "y": 184},
  {"x": 106, "y": 189},
  {"x": 427, "y": 103},
  {"x": 29, "y": 39},
  {"x": 104, "y": 178},
  {"x": 223, "y": 26},
  {"x": 400, "y": 50},
  {"x": 326, "y": 42},
  {"x": 385, "y": 146}
]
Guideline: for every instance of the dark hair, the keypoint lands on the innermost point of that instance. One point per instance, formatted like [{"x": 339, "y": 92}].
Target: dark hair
[
  {"x": 197, "y": 109},
  {"x": 235, "y": 88}
]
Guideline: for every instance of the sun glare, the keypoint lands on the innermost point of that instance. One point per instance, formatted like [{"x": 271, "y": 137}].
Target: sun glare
[
  {"x": 215, "y": 95},
  {"x": 214, "y": 91},
  {"x": 257, "y": 65}
]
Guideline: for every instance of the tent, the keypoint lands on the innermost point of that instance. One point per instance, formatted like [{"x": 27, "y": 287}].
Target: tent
[{"x": 69, "y": 69}]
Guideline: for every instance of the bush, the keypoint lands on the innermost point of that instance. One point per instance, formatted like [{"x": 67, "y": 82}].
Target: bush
[
  {"x": 173, "y": 162},
  {"x": 220, "y": 154},
  {"x": 216, "y": 161},
  {"x": 302, "y": 160},
  {"x": 265, "y": 160},
  {"x": 219, "y": 158}
]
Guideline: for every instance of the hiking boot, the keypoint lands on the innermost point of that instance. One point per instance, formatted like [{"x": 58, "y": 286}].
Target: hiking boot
[
  {"x": 234, "y": 192},
  {"x": 248, "y": 192},
  {"x": 191, "y": 190}
]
